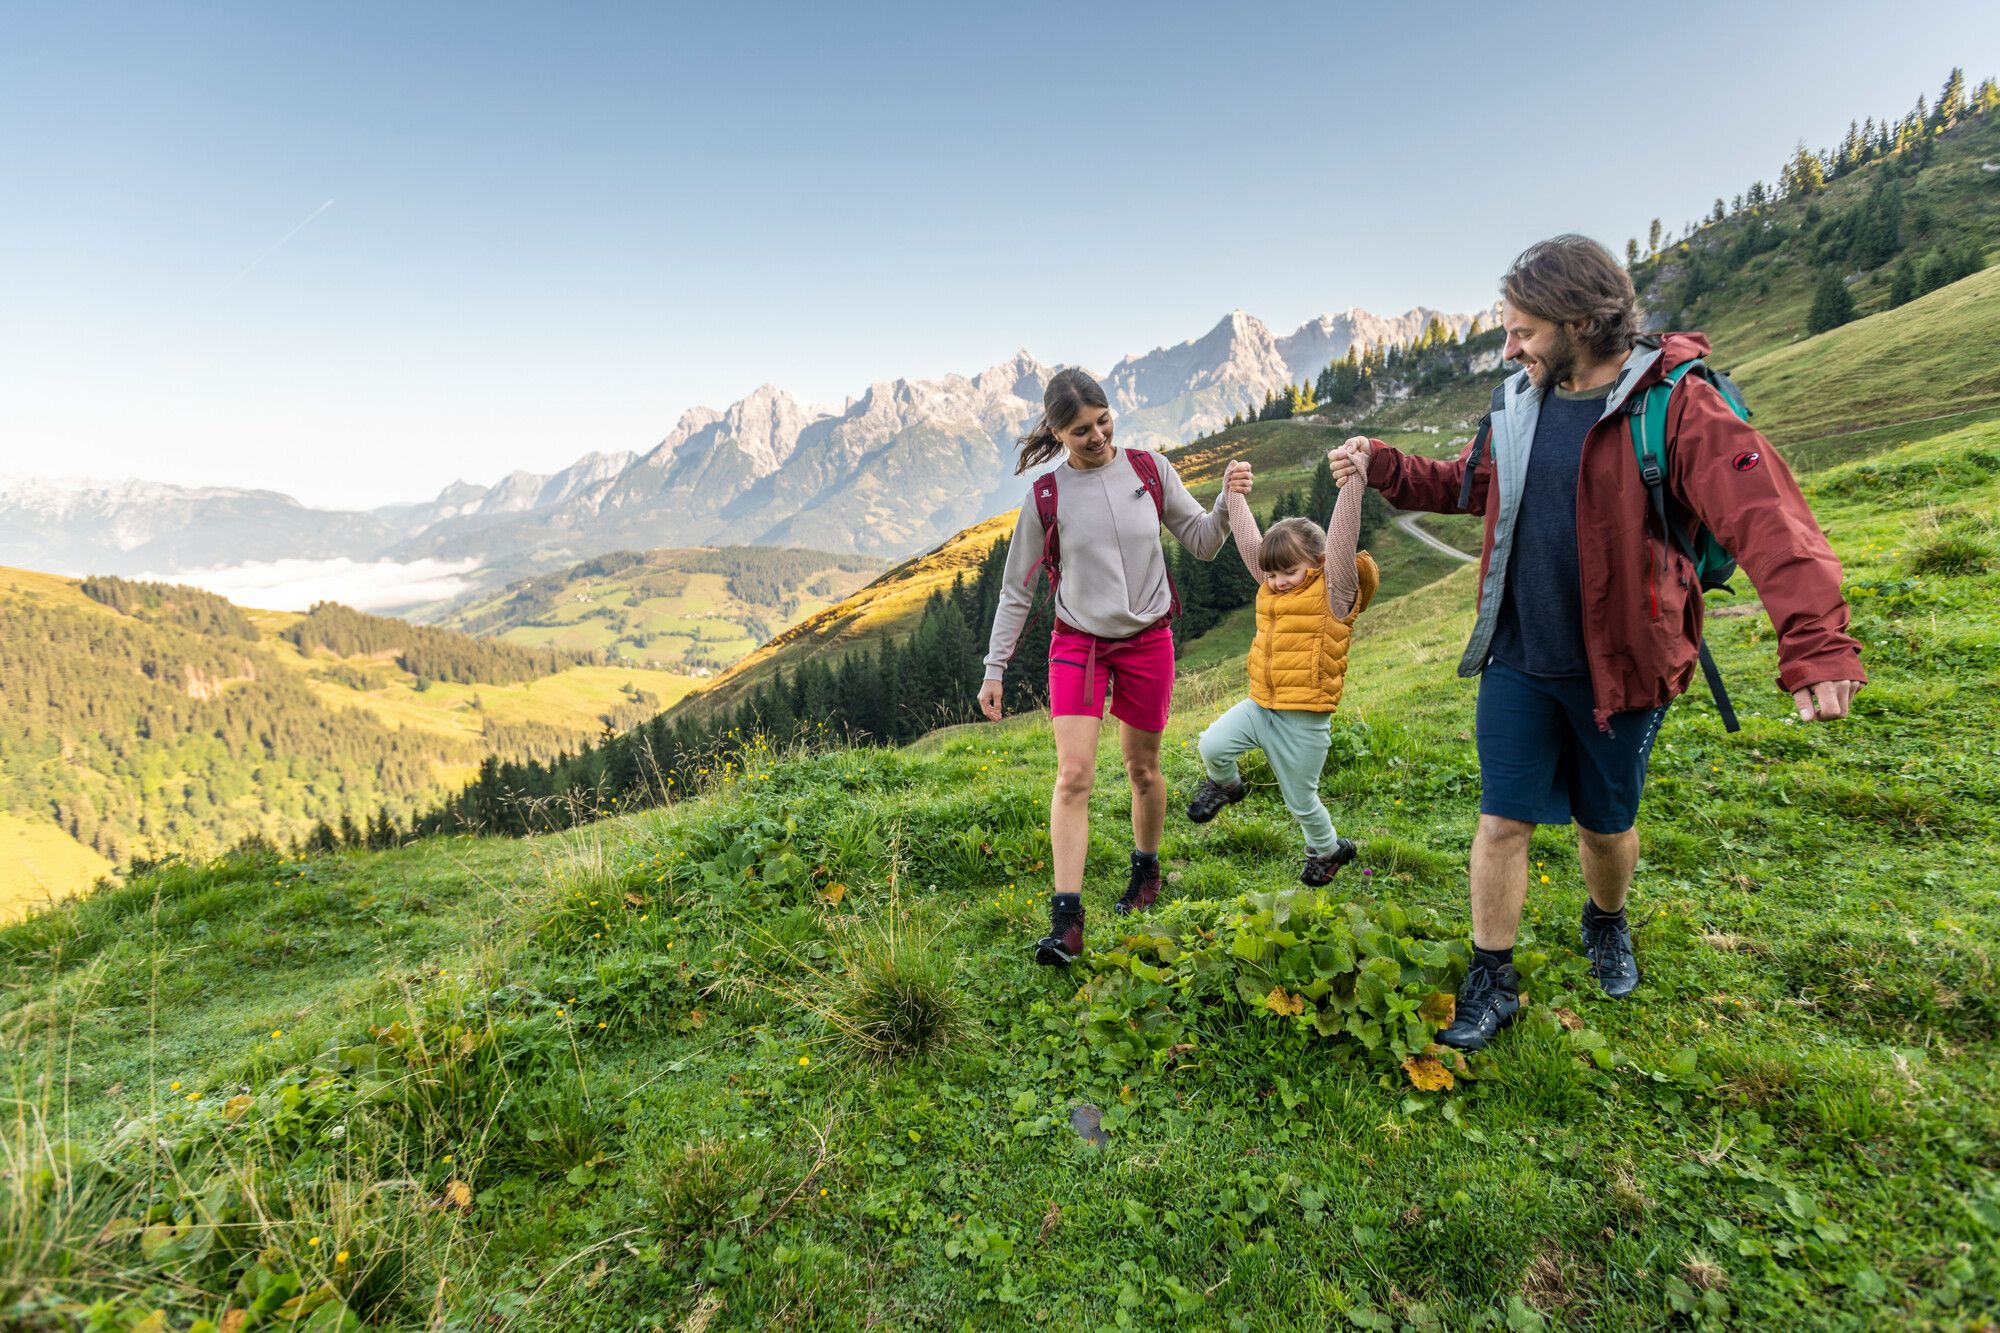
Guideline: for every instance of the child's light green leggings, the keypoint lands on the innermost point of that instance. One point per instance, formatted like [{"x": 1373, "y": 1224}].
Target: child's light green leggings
[{"x": 1295, "y": 744}]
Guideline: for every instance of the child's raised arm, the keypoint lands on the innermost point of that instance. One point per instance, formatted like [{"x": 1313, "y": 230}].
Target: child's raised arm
[
  {"x": 1343, "y": 535},
  {"x": 1236, "y": 479}
]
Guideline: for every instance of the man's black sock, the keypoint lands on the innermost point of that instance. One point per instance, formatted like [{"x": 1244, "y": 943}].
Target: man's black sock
[
  {"x": 1140, "y": 858},
  {"x": 1493, "y": 959},
  {"x": 1597, "y": 916}
]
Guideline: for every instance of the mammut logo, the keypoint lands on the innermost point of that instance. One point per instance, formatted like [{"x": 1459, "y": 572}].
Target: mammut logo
[{"x": 1743, "y": 462}]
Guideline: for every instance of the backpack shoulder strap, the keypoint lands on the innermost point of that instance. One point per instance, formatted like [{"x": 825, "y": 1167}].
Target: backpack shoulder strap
[
  {"x": 1148, "y": 468},
  {"x": 1045, "y": 509},
  {"x": 1648, "y": 415},
  {"x": 1482, "y": 439},
  {"x": 1650, "y": 446}
]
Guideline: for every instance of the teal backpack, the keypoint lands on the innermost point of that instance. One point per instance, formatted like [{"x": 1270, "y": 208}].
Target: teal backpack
[{"x": 1713, "y": 564}]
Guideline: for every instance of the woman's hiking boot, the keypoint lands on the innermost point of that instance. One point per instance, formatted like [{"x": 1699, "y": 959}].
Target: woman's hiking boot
[
  {"x": 1142, "y": 888},
  {"x": 1607, "y": 942},
  {"x": 1063, "y": 944},
  {"x": 1488, "y": 999},
  {"x": 1210, "y": 797},
  {"x": 1321, "y": 867}
]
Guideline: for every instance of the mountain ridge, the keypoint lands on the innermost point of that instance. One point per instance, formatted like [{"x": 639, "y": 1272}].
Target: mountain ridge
[{"x": 898, "y": 468}]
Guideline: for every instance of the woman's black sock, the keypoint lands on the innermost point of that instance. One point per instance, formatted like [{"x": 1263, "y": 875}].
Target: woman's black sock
[{"x": 1493, "y": 959}]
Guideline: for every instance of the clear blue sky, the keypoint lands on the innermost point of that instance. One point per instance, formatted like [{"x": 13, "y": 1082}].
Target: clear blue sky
[{"x": 555, "y": 227}]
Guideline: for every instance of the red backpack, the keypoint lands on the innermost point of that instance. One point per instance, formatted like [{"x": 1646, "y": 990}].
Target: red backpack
[{"x": 1148, "y": 469}]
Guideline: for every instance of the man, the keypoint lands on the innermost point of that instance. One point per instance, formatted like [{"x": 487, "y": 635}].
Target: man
[{"x": 1590, "y": 615}]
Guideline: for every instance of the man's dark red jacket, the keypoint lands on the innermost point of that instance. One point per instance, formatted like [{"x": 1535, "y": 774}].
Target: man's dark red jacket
[{"x": 1642, "y": 604}]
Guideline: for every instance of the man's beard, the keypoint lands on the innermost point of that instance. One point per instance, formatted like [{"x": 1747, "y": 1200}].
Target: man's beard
[{"x": 1559, "y": 366}]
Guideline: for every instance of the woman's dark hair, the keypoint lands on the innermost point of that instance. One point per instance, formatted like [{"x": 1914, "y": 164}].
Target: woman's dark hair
[
  {"x": 1571, "y": 279},
  {"x": 1070, "y": 394}
]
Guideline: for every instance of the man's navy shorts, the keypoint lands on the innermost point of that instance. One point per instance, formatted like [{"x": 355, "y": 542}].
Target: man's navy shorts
[{"x": 1542, "y": 759}]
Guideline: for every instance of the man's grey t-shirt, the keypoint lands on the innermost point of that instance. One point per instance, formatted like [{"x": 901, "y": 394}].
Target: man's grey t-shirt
[{"x": 1540, "y": 629}]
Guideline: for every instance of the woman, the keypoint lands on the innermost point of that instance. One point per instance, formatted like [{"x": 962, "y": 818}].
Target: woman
[{"x": 1093, "y": 522}]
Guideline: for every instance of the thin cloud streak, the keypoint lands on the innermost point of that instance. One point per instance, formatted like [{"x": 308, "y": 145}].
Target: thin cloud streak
[{"x": 280, "y": 244}]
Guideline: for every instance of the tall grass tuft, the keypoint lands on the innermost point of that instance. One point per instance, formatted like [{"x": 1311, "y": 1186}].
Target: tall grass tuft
[{"x": 897, "y": 999}]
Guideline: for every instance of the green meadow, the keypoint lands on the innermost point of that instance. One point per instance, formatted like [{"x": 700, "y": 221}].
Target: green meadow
[{"x": 776, "y": 1057}]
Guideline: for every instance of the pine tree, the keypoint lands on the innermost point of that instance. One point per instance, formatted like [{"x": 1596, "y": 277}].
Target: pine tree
[
  {"x": 1319, "y": 505},
  {"x": 1805, "y": 174},
  {"x": 1950, "y": 107},
  {"x": 1903, "y": 284},
  {"x": 1376, "y": 517},
  {"x": 1632, "y": 253},
  {"x": 1833, "y": 304},
  {"x": 1653, "y": 238}
]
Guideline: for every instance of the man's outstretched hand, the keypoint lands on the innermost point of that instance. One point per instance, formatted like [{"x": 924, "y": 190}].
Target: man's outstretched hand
[
  {"x": 1351, "y": 459},
  {"x": 989, "y": 700},
  {"x": 1826, "y": 700}
]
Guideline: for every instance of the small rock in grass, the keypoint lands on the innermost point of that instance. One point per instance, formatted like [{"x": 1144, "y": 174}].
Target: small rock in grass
[{"x": 1086, "y": 1120}]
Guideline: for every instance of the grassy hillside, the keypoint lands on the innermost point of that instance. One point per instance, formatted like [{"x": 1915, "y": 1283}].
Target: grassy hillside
[
  {"x": 775, "y": 1057},
  {"x": 1760, "y": 304},
  {"x": 693, "y": 611},
  {"x": 1933, "y": 357},
  {"x": 41, "y": 864},
  {"x": 140, "y": 733},
  {"x": 890, "y": 604}
]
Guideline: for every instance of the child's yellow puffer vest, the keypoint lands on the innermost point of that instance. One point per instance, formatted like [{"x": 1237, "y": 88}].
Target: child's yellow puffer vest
[{"x": 1298, "y": 661}]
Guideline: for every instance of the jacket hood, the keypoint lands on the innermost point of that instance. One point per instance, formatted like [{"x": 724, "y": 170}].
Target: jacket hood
[{"x": 1676, "y": 348}]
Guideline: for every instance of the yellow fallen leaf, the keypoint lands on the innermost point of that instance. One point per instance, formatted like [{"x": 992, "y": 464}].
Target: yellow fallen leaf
[
  {"x": 1439, "y": 1007},
  {"x": 1280, "y": 1003},
  {"x": 1427, "y": 1074},
  {"x": 238, "y": 1104},
  {"x": 232, "y": 1320},
  {"x": 458, "y": 1194},
  {"x": 1568, "y": 1018},
  {"x": 834, "y": 892},
  {"x": 696, "y": 1018}
]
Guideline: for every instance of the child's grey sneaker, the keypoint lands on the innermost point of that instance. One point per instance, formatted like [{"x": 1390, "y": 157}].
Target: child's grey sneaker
[
  {"x": 1321, "y": 867},
  {"x": 1211, "y": 797}
]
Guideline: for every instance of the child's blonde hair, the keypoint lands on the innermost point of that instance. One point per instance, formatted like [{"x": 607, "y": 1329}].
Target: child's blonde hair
[{"x": 1292, "y": 542}]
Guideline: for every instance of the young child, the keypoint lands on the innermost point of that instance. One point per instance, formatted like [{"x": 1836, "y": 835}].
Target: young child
[
  {"x": 1093, "y": 523},
  {"x": 1311, "y": 586}
]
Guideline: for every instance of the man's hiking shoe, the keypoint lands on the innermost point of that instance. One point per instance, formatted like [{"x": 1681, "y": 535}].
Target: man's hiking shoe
[
  {"x": 1141, "y": 889},
  {"x": 1322, "y": 866},
  {"x": 1488, "y": 999},
  {"x": 1607, "y": 942},
  {"x": 1063, "y": 944},
  {"x": 1209, "y": 799}
]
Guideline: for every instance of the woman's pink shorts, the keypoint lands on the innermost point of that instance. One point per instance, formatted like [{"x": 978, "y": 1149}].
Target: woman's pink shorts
[{"x": 1139, "y": 671}]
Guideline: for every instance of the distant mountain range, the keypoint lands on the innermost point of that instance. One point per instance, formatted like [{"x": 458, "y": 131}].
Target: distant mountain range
[{"x": 898, "y": 469}]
